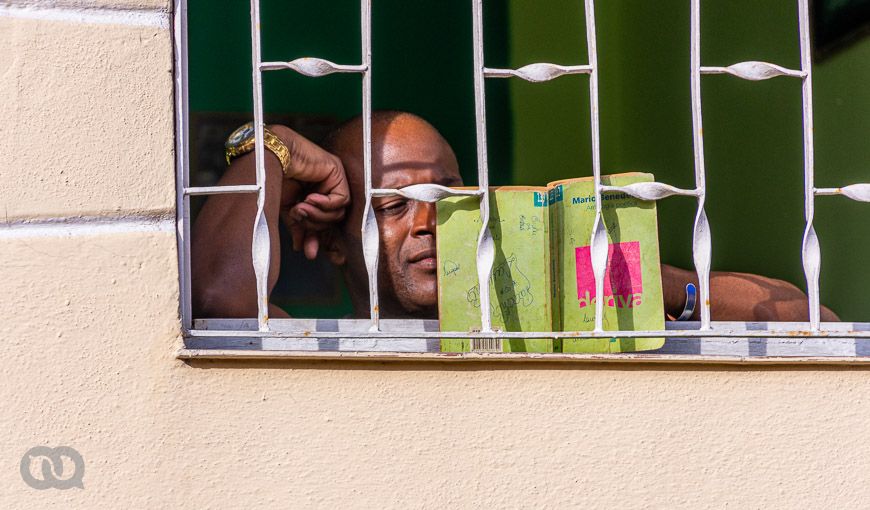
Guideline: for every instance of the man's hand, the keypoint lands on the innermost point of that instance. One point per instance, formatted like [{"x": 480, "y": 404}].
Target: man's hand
[
  {"x": 310, "y": 201},
  {"x": 319, "y": 200}
]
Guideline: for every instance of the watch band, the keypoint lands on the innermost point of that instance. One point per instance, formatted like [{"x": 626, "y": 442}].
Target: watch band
[
  {"x": 691, "y": 298},
  {"x": 242, "y": 141}
]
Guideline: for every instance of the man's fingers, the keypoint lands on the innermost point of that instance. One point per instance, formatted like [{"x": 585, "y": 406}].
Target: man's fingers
[
  {"x": 313, "y": 217},
  {"x": 333, "y": 188},
  {"x": 311, "y": 246},
  {"x": 327, "y": 202},
  {"x": 324, "y": 171},
  {"x": 297, "y": 234}
]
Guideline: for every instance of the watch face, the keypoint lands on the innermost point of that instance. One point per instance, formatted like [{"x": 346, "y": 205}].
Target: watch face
[{"x": 240, "y": 135}]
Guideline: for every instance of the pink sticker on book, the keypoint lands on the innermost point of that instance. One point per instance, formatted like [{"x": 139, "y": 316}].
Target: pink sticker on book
[{"x": 623, "y": 286}]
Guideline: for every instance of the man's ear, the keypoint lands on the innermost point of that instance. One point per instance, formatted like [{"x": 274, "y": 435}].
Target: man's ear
[{"x": 334, "y": 246}]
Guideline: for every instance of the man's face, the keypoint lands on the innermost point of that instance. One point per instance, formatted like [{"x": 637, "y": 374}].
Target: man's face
[{"x": 405, "y": 152}]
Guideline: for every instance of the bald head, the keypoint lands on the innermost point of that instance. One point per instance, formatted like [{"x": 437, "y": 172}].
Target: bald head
[
  {"x": 406, "y": 150},
  {"x": 391, "y": 131}
]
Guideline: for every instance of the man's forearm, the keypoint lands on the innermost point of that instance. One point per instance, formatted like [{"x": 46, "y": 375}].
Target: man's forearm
[
  {"x": 740, "y": 297},
  {"x": 223, "y": 280}
]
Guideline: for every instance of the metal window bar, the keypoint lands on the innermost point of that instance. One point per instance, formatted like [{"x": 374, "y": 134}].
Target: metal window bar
[
  {"x": 537, "y": 72},
  {"x": 701, "y": 239},
  {"x": 182, "y": 164},
  {"x": 753, "y": 70},
  {"x": 316, "y": 67}
]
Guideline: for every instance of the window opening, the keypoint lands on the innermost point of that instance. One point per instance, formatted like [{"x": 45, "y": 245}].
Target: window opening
[{"x": 376, "y": 329}]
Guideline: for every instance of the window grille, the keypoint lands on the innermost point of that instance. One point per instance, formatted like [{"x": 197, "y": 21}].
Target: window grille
[{"x": 404, "y": 338}]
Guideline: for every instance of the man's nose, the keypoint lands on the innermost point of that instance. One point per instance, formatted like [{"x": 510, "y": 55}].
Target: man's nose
[{"x": 424, "y": 218}]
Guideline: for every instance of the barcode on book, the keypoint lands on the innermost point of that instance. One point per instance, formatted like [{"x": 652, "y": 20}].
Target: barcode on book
[{"x": 486, "y": 345}]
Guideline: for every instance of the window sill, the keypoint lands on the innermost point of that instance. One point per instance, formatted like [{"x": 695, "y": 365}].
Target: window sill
[{"x": 745, "y": 343}]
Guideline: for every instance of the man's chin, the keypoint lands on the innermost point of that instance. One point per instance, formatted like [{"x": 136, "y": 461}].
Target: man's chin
[{"x": 423, "y": 304}]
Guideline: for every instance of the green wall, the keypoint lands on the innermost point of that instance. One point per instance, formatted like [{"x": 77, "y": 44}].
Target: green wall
[
  {"x": 753, "y": 136},
  {"x": 422, "y": 62}
]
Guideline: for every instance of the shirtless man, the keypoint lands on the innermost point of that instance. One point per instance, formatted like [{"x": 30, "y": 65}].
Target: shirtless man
[{"x": 322, "y": 202}]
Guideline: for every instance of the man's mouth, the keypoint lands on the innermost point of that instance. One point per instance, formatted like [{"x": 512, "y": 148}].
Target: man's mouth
[{"x": 425, "y": 259}]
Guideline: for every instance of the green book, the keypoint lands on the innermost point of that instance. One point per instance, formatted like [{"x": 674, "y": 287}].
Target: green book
[
  {"x": 520, "y": 286},
  {"x": 632, "y": 282},
  {"x": 542, "y": 276}
]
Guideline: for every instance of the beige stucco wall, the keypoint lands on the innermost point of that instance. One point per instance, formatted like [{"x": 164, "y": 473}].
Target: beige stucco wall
[{"x": 90, "y": 327}]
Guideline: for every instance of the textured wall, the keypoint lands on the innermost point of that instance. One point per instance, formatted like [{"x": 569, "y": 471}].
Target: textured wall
[{"x": 90, "y": 326}]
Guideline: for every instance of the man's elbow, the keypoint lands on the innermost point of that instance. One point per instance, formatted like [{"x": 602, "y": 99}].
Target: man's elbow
[{"x": 211, "y": 302}]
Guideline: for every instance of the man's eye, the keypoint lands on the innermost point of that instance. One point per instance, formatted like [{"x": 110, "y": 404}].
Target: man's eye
[{"x": 393, "y": 207}]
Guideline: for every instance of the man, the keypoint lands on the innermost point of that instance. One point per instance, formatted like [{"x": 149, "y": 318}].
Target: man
[{"x": 320, "y": 199}]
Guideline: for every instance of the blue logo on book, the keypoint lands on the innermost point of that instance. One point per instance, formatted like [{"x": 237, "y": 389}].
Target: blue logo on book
[
  {"x": 540, "y": 199},
  {"x": 555, "y": 194}
]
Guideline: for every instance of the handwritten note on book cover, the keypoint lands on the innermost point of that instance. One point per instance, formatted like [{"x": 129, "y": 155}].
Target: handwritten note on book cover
[
  {"x": 520, "y": 286},
  {"x": 542, "y": 277}
]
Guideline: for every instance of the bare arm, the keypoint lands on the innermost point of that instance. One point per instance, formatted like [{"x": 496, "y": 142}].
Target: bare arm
[
  {"x": 740, "y": 297},
  {"x": 222, "y": 280}
]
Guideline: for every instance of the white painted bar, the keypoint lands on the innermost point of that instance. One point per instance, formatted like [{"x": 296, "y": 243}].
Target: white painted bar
[
  {"x": 313, "y": 67},
  {"x": 651, "y": 190},
  {"x": 485, "y": 245},
  {"x": 538, "y": 72},
  {"x": 260, "y": 244},
  {"x": 425, "y": 192},
  {"x": 182, "y": 159},
  {"x": 753, "y": 70},
  {"x": 598, "y": 246},
  {"x": 701, "y": 238},
  {"x": 748, "y": 341},
  {"x": 220, "y": 190},
  {"x": 810, "y": 250},
  {"x": 797, "y": 332},
  {"x": 369, "y": 228},
  {"x": 858, "y": 192}
]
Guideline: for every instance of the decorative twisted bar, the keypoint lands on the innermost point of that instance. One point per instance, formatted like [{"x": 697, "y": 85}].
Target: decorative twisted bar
[
  {"x": 220, "y": 190},
  {"x": 701, "y": 238},
  {"x": 425, "y": 192},
  {"x": 369, "y": 227},
  {"x": 182, "y": 159},
  {"x": 261, "y": 243},
  {"x": 812, "y": 257},
  {"x": 537, "y": 72},
  {"x": 754, "y": 71},
  {"x": 598, "y": 242},
  {"x": 485, "y": 246},
  {"x": 651, "y": 190},
  {"x": 313, "y": 67},
  {"x": 857, "y": 192},
  {"x": 701, "y": 256}
]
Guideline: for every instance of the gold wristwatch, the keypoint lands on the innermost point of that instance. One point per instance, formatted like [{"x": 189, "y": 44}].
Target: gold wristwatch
[{"x": 241, "y": 141}]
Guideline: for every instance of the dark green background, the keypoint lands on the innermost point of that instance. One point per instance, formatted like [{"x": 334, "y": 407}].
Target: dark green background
[{"x": 539, "y": 132}]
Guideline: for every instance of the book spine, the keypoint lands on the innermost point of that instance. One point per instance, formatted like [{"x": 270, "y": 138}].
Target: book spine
[{"x": 555, "y": 216}]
